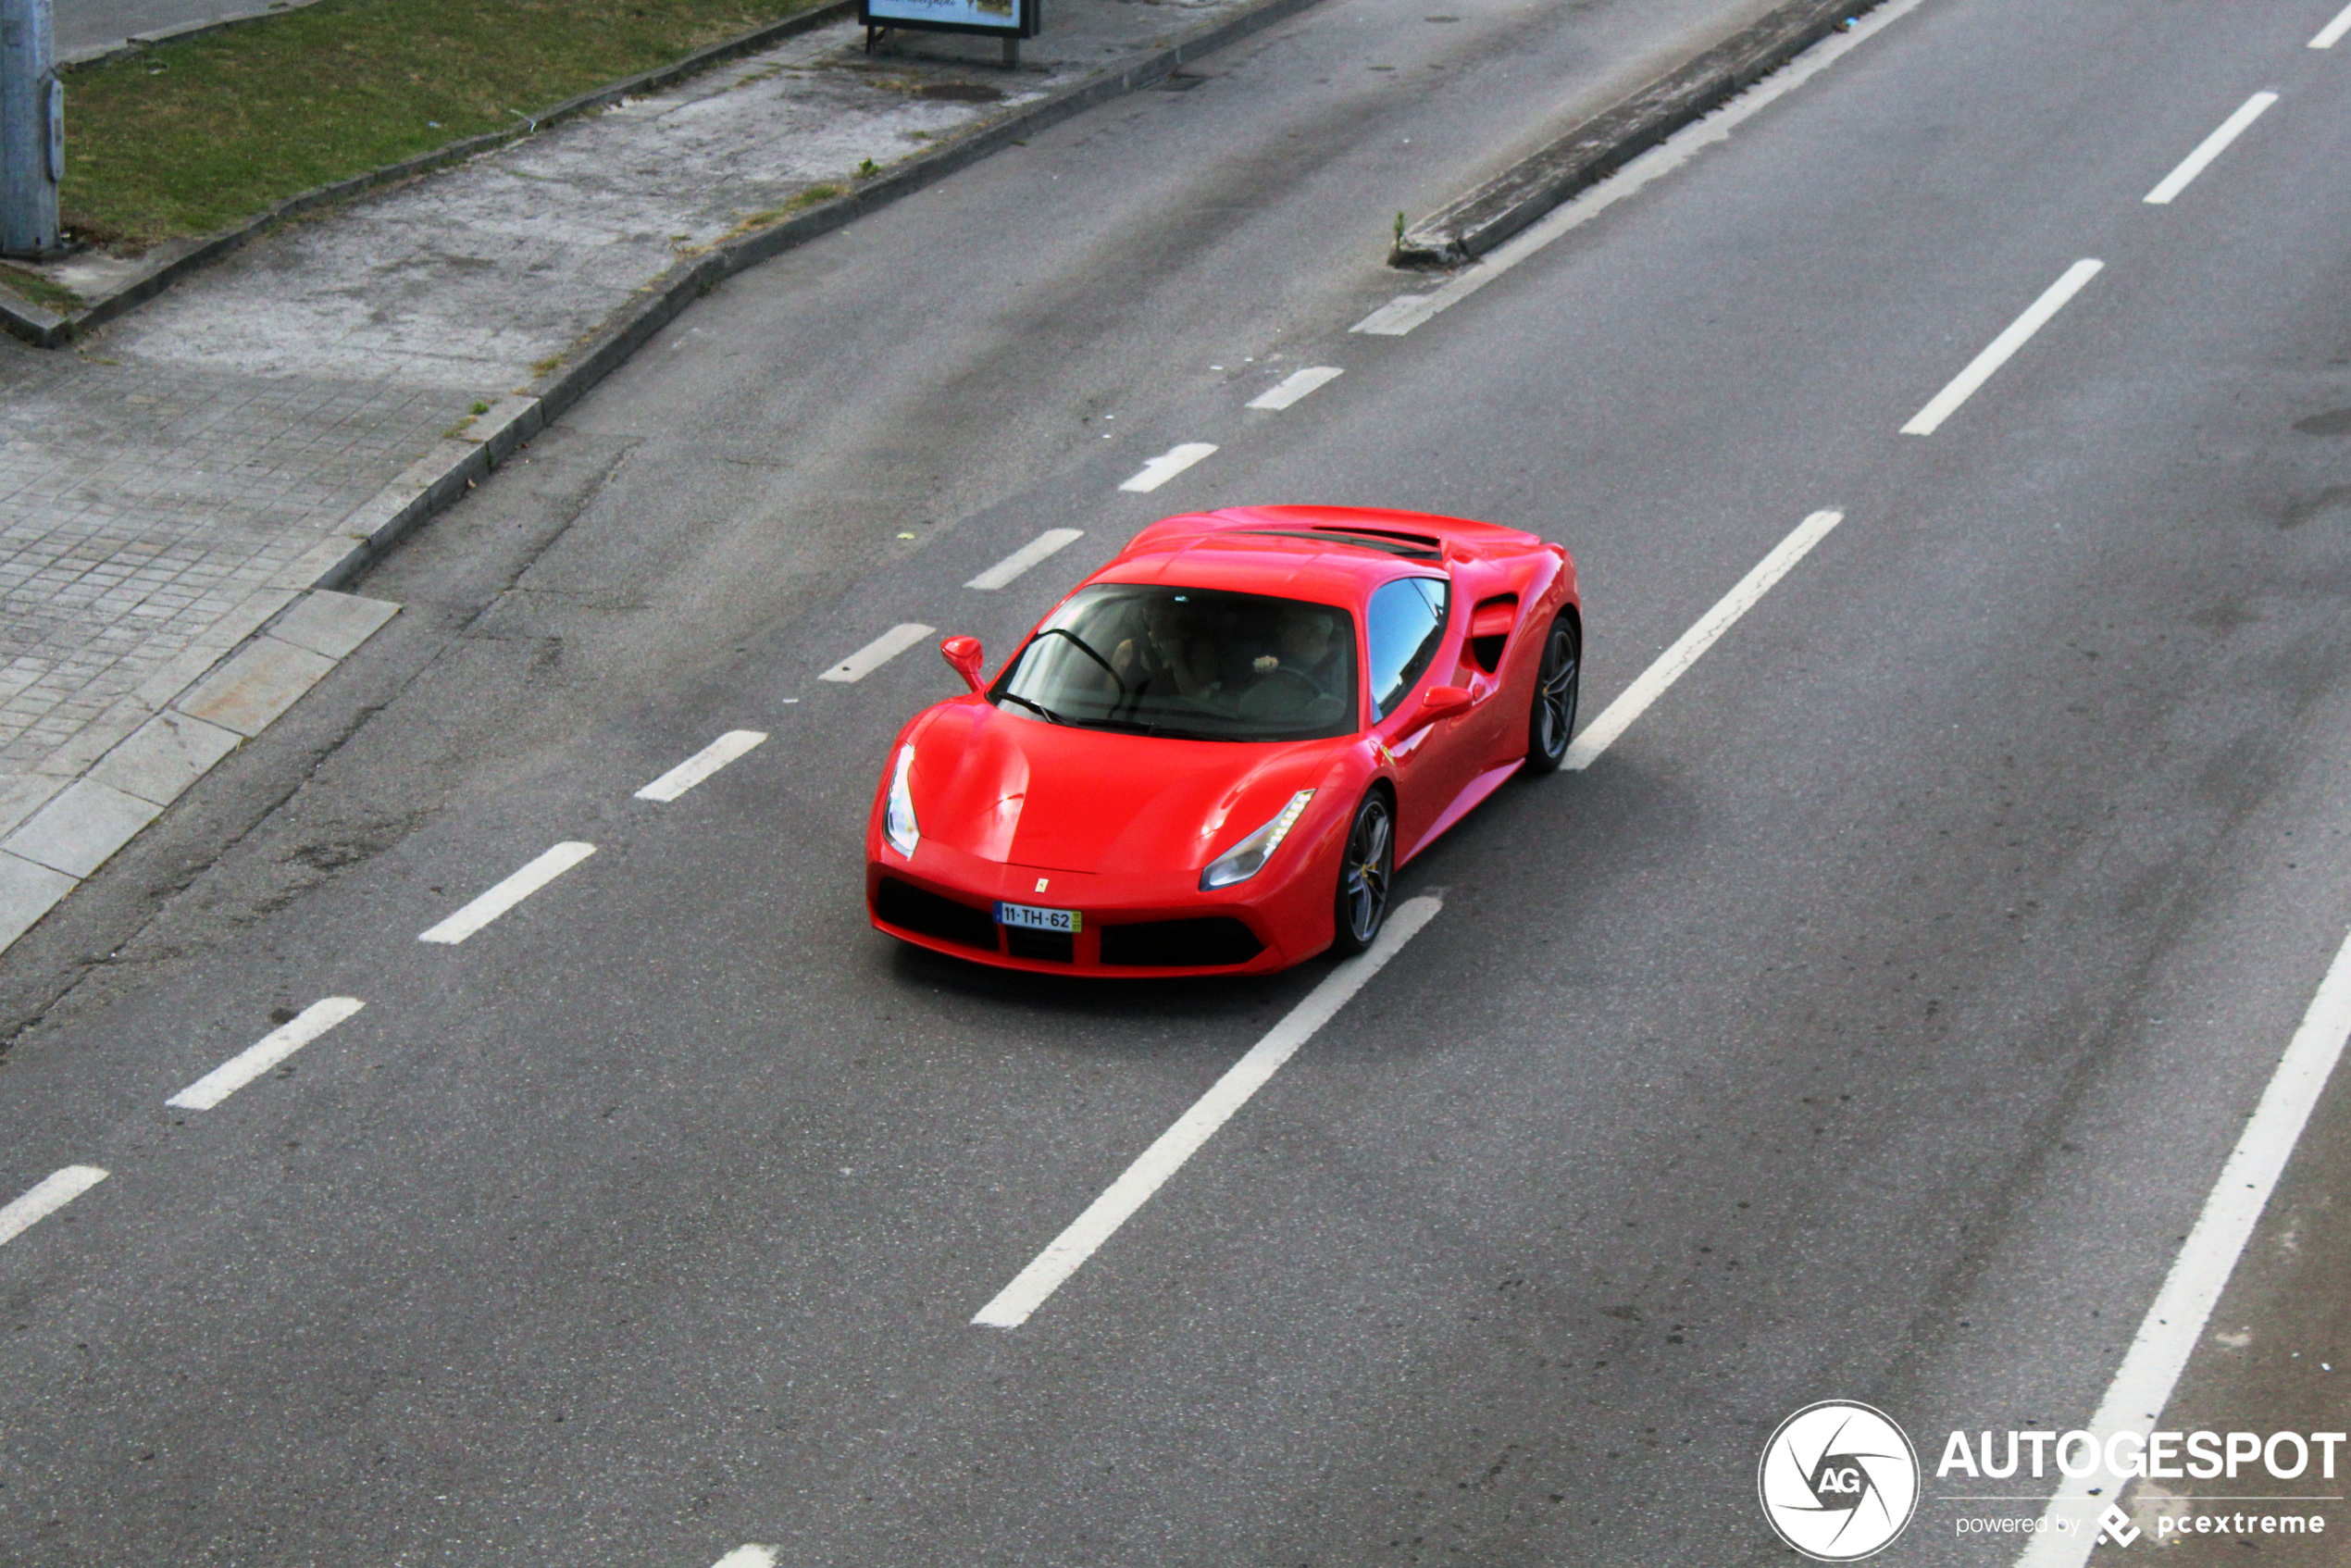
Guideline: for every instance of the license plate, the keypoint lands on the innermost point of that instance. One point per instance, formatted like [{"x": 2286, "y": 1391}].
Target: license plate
[{"x": 1036, "y": 919}]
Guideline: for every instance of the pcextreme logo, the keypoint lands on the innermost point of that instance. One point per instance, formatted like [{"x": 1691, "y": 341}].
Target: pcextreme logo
[{"x": 1838, "y": 1481}]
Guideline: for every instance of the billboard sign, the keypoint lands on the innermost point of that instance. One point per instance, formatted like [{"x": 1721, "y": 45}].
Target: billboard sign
[{"x": 1005, "y": 18}]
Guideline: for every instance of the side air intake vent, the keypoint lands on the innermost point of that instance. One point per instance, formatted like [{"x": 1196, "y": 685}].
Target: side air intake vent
[{"x": 1489, "y": 629}]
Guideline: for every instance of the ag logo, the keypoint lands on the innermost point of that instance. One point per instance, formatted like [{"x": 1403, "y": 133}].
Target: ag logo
[{"x": 1838, "y": 1481}]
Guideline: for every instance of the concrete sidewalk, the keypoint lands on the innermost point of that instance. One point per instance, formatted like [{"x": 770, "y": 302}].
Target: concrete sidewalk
[{"x": 178, "y": 490}]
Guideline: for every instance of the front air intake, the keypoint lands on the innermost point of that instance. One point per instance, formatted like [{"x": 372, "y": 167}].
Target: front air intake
[
  {"x": 920, "y": 910},
  {"x": 1205, "y": 942}
]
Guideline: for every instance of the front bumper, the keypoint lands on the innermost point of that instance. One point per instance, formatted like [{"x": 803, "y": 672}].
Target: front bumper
[{"x": 1133, "y": 925}]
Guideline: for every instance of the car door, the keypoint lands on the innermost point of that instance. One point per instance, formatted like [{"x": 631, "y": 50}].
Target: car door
[{"x": 1404, "y": 628}]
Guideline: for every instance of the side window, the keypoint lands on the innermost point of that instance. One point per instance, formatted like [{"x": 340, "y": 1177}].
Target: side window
[{"x": 1406, "y": 623}]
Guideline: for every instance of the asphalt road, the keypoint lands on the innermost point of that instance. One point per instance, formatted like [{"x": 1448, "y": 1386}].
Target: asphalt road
[{"x": 1872, "y": 1020}]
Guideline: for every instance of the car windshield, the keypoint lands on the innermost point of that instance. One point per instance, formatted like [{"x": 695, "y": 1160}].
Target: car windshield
[{"x": 1190, "y": 662}]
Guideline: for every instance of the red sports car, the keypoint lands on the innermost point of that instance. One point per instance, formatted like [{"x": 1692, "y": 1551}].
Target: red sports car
[{"x": 1212, "y": 756}]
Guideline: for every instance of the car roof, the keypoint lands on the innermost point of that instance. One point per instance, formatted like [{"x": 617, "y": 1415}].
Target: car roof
[{"x": 1328, "y": 554}]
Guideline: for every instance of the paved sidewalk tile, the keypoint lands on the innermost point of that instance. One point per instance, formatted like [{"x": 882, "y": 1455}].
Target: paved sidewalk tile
[
  {"x": 77, "y": 831},
  {"x": 261, "y": 682},
  {"x": 164, "y": 756},
  {"x": 22, "y": 794},
  {"x": 140, "y": 505},
  {"x": 27, "y": 892},
  {"x": 333, "y": 624}
]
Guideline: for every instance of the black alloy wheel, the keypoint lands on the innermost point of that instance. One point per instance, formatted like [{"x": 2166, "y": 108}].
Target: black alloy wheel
[
  {"x": 1550, "y": 717},
  {"x": 1364, "y": 873}
]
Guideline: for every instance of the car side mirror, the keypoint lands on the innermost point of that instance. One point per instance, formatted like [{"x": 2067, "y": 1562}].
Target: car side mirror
[
  {"x": 1442, "y": 703},
  {"x": 963, "y": 653}
]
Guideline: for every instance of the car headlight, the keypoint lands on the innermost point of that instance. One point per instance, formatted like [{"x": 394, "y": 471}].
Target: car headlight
[
  {"x": 898, "y": 817},
  {"x": 1247, "y": 858}
]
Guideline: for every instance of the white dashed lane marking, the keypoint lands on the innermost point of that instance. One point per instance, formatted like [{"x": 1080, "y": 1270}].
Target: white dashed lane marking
[
  {"x": 48, "y": 1195},
  {"x": 1166, "y": 465},
  {"x": 878, "y": 652},
  {"x": 2211, "y": 147},
  {"x": 508, "y": 893},
  {"x": 264, "y": 1053},
  {"x": 1028, "y": 556},
  {"x": 1165, "y": 1158},
  {"x": 748, "y": 1557},
  {"x": 701, "y": 764},
  {"x": 1297, "y": 385},
  {"x": 2018, "y": 333},
  {"x": 1596, "y": 737},
  {"x": 2332, "y": 34}
]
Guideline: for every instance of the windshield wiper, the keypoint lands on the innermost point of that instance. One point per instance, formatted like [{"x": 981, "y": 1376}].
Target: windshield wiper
[
  {"x": 1039, "y": 708},
  {"x": 1087, "y": 649}
]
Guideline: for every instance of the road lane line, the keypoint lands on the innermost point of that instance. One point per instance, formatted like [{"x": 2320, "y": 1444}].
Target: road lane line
[
  {"x": 2168, "y": 1335},
  {"x": 1118, "y": 1202},
  {"x": 264, "y": 1053},
  {"x": 878, "y": 652},
  {"x": 1166, "y": 465},
  {"x": 1028, "y": 556},
  {"x": 701, "y": 764},
  {"x": 2211, "y": 147},
  {"x": 1405, "y": 312},
  {"x": 1617, "y": 716},
  {"x": 508, "y": 893},
  {"x": 1995, "y": 353},
  {"x": 748, "y": 1557},
  {"x": 1295, "y": 386},
  {"x": 48, "y": 1195},
  {"x": 2332, "y": 34}
]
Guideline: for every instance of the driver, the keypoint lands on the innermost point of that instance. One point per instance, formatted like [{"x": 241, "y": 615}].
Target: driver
[{"x": 1307, "y": 648}]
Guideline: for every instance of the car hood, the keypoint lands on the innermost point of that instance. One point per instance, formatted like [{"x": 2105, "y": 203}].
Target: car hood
[{"x": 1066, "y": 799}]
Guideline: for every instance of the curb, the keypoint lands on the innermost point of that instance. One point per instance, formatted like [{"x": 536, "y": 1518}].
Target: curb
[
  {"x": 47, "y": 328},
  {"x": 139, "y": 42},
  {"x": 1589, "y": 151},
  {"x": 294, "y": 630}
]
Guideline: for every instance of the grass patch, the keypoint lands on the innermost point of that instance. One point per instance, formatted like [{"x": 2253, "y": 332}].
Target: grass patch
[
  {"x": 193, "y": 136},
  {"x": 39, "y": 290}
]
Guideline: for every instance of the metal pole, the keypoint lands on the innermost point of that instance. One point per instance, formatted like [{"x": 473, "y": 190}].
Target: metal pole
[{"x": 31, "y": 130}]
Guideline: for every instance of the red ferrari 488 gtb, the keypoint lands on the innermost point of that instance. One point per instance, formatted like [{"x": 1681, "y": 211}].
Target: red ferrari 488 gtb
[{"x": 1213, "y": 755}]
